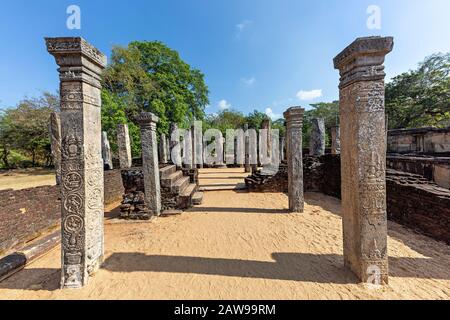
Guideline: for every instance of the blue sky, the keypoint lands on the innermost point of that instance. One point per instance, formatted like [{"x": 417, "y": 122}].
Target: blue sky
[{"x": 256, "y": 54}]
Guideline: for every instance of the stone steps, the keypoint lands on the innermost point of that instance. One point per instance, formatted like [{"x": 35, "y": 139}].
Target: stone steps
[
  {"x": 169, "y": 180},
  {"x": 180, "y": 184},
  {"x": 197, "y": 198},
  {"x": 185, "y": 199},
  {"x": 167, "y": 171}
]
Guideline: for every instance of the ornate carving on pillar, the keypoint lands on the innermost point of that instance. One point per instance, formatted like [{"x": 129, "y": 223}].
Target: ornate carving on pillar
[
  {"x": 150, "y": 167},
  {"x": 55, "y": 139},
  {"x": 363, "y": 156},
  {"x": 80, "y": 66},
  {"x": 294, "y": 126}
]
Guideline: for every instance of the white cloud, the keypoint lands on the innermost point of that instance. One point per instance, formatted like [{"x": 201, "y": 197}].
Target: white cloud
[
  {"x": 272, "y": 115},
  {"x": 309, "y": 95},
  {"x": 224, "y": 105},
  {"x": 244, "y": 24},
  {"x": 248, "y": 81},
  {"x": 241, "y": 26}
]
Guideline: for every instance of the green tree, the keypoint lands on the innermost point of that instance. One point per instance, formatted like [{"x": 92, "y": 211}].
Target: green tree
[
  {"x": 26, "y": 128},
  {"x": 255, "y": 119},
  {"x": 329, "y": 111},
  {"x": 149, "y": 76},
  {"x": 421, "y": 97}
]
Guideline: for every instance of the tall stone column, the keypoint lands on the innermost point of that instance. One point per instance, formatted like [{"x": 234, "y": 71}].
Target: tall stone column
[
  {"x": 174, "y": 145},
  {"x": 163, "y": 149},
  {"x": 282, "y": 146},
  {"x": 247, "y": 166},
  {"x": 152, "y": 188},
  {"x": 55, "y": 140},
  {"x": 265, "y": 149},
  {"x": 187, "y": 149},
  {"x": 363, "y": 156},
  {"x": 124, "y": 146},
  {"x": 106, "y": 152},
  {"x": 335, "y": 140},
  {"x": 80, "y": 66},
  {"x": 294, "y": 125},
  {"x": 198, "y": 145},
  {"x": 317, "y": 138}
]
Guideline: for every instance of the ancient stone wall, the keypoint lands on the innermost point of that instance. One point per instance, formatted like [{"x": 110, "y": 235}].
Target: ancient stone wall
[
  {"x": 420, "y": 140},
  {"x": 419, "y": 204},
  {"x": 436, "y": 169},
  {"x": 26, "y": 214}
]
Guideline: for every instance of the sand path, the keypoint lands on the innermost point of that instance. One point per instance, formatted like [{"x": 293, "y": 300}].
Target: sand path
[{"x": 238, "y": 245}]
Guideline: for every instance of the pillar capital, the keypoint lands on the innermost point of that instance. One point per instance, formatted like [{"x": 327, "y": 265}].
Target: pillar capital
[
  {"x": 363, "y": 60},
  {"x": 147, "y": 119},
  {"x": 294, "y": 113},
  {"x": 78, "y": 60}
]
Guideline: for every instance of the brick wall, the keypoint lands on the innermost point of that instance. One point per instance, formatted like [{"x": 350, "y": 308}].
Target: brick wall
[{"x": 26, "y": 214}]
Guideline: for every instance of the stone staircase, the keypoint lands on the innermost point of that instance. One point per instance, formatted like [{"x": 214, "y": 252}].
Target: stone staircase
[{"x": 178, "y": 192}]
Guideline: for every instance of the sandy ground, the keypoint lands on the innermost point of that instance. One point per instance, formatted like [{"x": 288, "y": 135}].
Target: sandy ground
[
  {"x": 241, "y": 246},
  {"x": 26, "y": 178}
]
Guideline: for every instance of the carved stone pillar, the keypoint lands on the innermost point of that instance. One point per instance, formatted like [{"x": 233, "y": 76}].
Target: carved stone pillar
[
  {"x": 363, "y": 157},
  {"x": 81, "y": 159},
  {"x": 150, "y": 168},
  {"x": 282, "y": 147},
  {"x": 294, "y": 125},
  {"x": 163, "y": 149},
  {"x": 106, "y": 152},
  {"x": 335, "y": 140},
  {"x": 55, "y": 139},
  {"x": 198, "y": 145},
  {"x": 247, "y": 166},
  {"x": 317, "y": 138},
  {"x": 124, "y": 146}
]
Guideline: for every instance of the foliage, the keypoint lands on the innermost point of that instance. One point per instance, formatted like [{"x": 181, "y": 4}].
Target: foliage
[
  {"x": 113, "y": 114},
  {"x": 25, "y": 129},
  {"x": 421, "y": 97},
  {"x": 149, "y": 76}
]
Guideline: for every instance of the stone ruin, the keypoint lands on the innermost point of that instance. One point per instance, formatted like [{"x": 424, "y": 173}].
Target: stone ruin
[{"x": 354, "y": 171}]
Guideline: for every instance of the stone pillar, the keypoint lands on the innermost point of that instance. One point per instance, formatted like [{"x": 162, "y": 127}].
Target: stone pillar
[
  {"x": 80, "y": 66},
  {"x": 198, "y": 144},
  {"x": 55, "y": 139},
  {"x": 174, "y": 141},
  {"x": 106, "y": 152},
  {"x": 150, "y": 168},
  {"x": 294, "y": 124},
  {"x": 282, "y": 146},
  {"x": 363, "y": 157},
  {"x": 187, "y": 149},
  {"x": 163, "y": 149},
  {"x": 335, "y": 140},
  {"x": 317, "y": 138},
  {"x": 265, "y": 156},
  {"x": 124, "y": 146},
  {"x": 247, "y": 166}
]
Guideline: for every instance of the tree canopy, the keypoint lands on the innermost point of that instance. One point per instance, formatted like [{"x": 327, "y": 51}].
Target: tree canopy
[
  {"x": 25, "y": 129},
  {"x": 149, "y": 76},
  {"x": 421, "y": 97}
]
